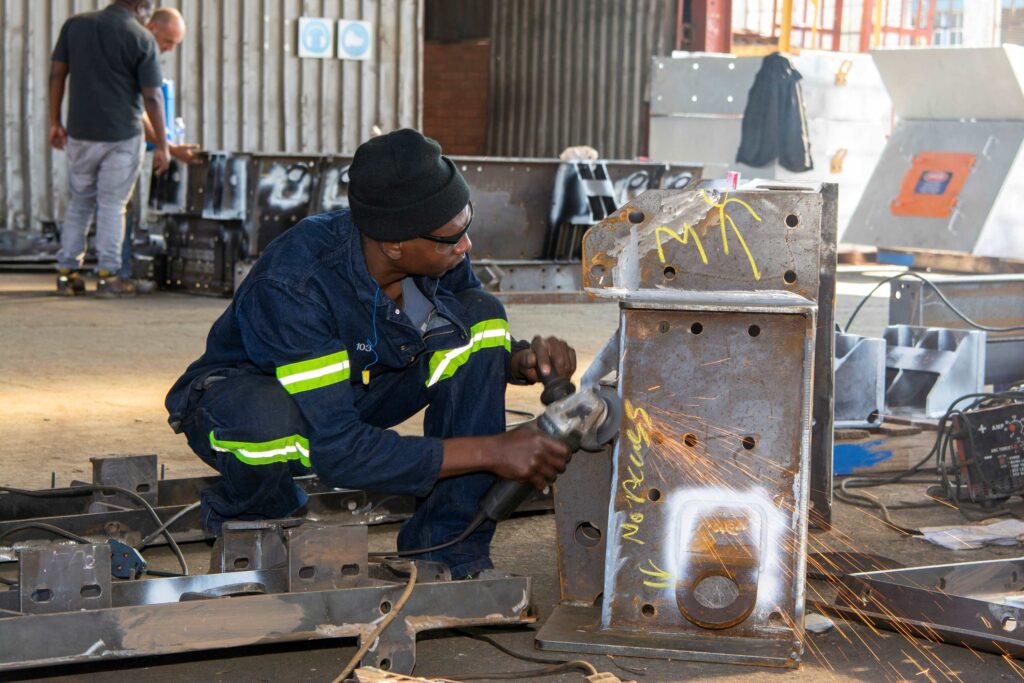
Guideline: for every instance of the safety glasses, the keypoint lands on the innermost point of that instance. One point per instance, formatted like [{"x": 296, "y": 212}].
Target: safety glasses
[{"x": 446, "y": 245}]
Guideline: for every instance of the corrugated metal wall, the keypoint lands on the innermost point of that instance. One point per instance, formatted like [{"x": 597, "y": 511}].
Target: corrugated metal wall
[
  {"x": 574, "y": 72},
  {"x": 240, "y": 85}
]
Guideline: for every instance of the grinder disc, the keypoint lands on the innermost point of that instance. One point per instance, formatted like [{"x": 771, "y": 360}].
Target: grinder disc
[{"x": 609, "y": 426}]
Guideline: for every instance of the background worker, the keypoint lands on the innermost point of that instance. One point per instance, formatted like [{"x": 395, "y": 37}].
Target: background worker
[
  {"x": 115, "y": 74},
  {"x": 167, "y": 26},
  {"x": 350, "y": 323}
]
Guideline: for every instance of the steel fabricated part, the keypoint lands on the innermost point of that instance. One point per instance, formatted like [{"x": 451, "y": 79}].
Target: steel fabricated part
[
  {"x": 698, "y": 99},
  {"x": 992, "y": 300},
  {"x": 94, "y": 516},
  {"x": 705, "y": 530},
  {"x": 974, "y": 604},
  {"x": 859, "y": 381},
  {"x": 927, "y": 368},
  {"x": 67, "y": 609},
  {"x": 223, "y": 211},
  {"x": 951, "y": 172}
]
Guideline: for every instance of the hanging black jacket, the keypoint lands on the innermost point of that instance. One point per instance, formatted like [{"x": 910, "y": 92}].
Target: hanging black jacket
[{"x": 774, "y": 123}]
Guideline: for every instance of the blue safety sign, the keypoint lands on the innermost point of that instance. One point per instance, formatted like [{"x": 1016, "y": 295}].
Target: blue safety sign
[
  {"x": 316, "y": 37},
  {"x": 355, "y": 39}
]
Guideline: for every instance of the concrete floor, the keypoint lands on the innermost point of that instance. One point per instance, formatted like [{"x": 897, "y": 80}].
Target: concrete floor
[{"x": 87, "y": 377}]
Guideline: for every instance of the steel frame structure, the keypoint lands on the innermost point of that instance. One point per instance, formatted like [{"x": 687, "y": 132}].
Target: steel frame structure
[{"x": 298, "y": 582}]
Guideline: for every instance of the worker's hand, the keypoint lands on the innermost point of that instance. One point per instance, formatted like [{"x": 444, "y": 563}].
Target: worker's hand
[
  {"x": 58, "y": 136},
  {"x": 161, "y": 160},
  {"x": 550, "y": 356},
  {"x": 188, "y": 154},
  {"x": 528, "y": 455}
]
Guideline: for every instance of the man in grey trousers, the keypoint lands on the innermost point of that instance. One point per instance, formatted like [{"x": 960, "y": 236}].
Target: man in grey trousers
[{"x": 115, "y": 74}]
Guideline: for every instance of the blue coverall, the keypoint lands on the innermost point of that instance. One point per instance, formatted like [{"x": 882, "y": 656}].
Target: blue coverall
[{"x": 279, "y": 389}]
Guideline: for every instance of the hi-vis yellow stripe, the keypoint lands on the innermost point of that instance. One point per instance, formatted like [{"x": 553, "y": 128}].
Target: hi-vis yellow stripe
[
  {"x": 315, "y": 373},
  {"x": 486, "y": 334},
  {"x": 294, "y": 447}
]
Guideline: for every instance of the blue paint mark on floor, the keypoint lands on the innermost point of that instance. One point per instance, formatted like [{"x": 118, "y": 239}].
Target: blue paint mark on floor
[{"x": 848, "y": 458}]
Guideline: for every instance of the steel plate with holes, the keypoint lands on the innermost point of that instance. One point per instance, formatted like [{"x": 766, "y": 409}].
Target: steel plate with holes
[{"x": 706, "y": 528}]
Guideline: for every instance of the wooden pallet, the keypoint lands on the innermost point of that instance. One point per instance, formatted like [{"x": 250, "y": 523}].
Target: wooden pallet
[{"x": 927, "y": 259}]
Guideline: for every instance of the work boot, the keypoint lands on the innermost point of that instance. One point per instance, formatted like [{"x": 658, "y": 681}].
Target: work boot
[
  {"x": 113, "y": 287},
  {"x": 70, "y": 283}
]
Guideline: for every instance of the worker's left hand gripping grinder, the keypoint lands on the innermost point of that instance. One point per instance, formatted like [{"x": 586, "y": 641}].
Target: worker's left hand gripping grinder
[{"x": 585, "y": 420}]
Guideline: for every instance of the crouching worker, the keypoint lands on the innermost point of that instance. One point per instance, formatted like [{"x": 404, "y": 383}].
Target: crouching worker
[{"x": 350, "y": 323}]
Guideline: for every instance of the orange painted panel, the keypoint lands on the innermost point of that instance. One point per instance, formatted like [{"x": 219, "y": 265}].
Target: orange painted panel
[{"x": 932, "y": 185}]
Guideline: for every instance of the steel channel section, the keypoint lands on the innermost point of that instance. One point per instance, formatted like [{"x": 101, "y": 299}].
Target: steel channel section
[
  {"x": 68, "y": 609},
  {"x": 135, "y": 631},
  {"x": 992, "y": 300},
  {"x": 709, "y": 494},
  {"x": 974, "y": 604}
]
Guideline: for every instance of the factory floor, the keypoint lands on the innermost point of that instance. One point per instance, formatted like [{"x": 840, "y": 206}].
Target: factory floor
[{"x": 83, "y": 377}]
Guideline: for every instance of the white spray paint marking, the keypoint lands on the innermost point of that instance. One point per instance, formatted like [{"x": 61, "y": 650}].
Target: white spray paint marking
[
  {"x": 278, "y": 180},
  {"x": 688, "y": 506}
]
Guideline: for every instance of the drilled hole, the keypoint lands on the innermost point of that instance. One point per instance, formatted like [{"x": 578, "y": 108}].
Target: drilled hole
[
  {"x": 1009, "y": 623},
  {"x": 587, "y": 535},
  {"x": 789, "y": 276},
  {"x": 636, "y": 216},
  {"x": 754, "y": 330},
  {"x": 654, "y": 495},
  {"x": 91, "y": 591},
  {"x": 696, "y": 328},
  {"x": 241, "y": 562},
  {"x": 670, "y": 272},
  {"x": 663, "y": 327},
  {"x": 349, "y": 569},
  {"x": 599, "y": 599},
  {"x": 307, "y": 573},
  {"x": 385, "y": 607},
  {"x": 792, "y": 220},
  {"x": 142, "y": 488},
  {"x": 749, "y": 443},
  {"x": 42, "y": 595},
  {"x": 873, "y": 417},
  {"x": 648, "y": 610},
  {"x": 385, "y": 664},
  {"x": 690, "y": 440},
  {"x": 776, "y": 619}
]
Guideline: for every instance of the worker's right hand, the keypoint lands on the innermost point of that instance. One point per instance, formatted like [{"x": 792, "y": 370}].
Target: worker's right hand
[
  {"x": 58, "y": 136},
  {"x": 161, "y": 160},
  {"x": 528, "y": 455},
  {"x": 187, "y": 154}
]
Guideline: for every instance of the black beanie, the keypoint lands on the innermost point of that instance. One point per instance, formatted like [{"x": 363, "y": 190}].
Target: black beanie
[{"x": 400, "y": 187}]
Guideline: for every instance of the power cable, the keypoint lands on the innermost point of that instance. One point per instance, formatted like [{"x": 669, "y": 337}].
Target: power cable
[
  {"x": 368, "y": 641},
  {"x": 106, "y": 488},
  {"x": 956, "y": 311}
]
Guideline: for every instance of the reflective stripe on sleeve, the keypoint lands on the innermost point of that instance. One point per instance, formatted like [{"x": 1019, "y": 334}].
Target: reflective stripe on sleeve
[{"x": 484, "y": 335}]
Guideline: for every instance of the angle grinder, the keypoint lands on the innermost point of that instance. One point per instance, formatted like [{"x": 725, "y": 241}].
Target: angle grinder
[{"x": 584, "y": 420}]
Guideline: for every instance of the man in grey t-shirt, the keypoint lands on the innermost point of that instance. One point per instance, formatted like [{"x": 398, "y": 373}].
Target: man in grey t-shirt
[{"x": 115, "y": 73}]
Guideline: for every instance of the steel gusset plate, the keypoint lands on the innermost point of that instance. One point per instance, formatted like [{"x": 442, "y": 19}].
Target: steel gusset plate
[{"x": 974, "y": 604}]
